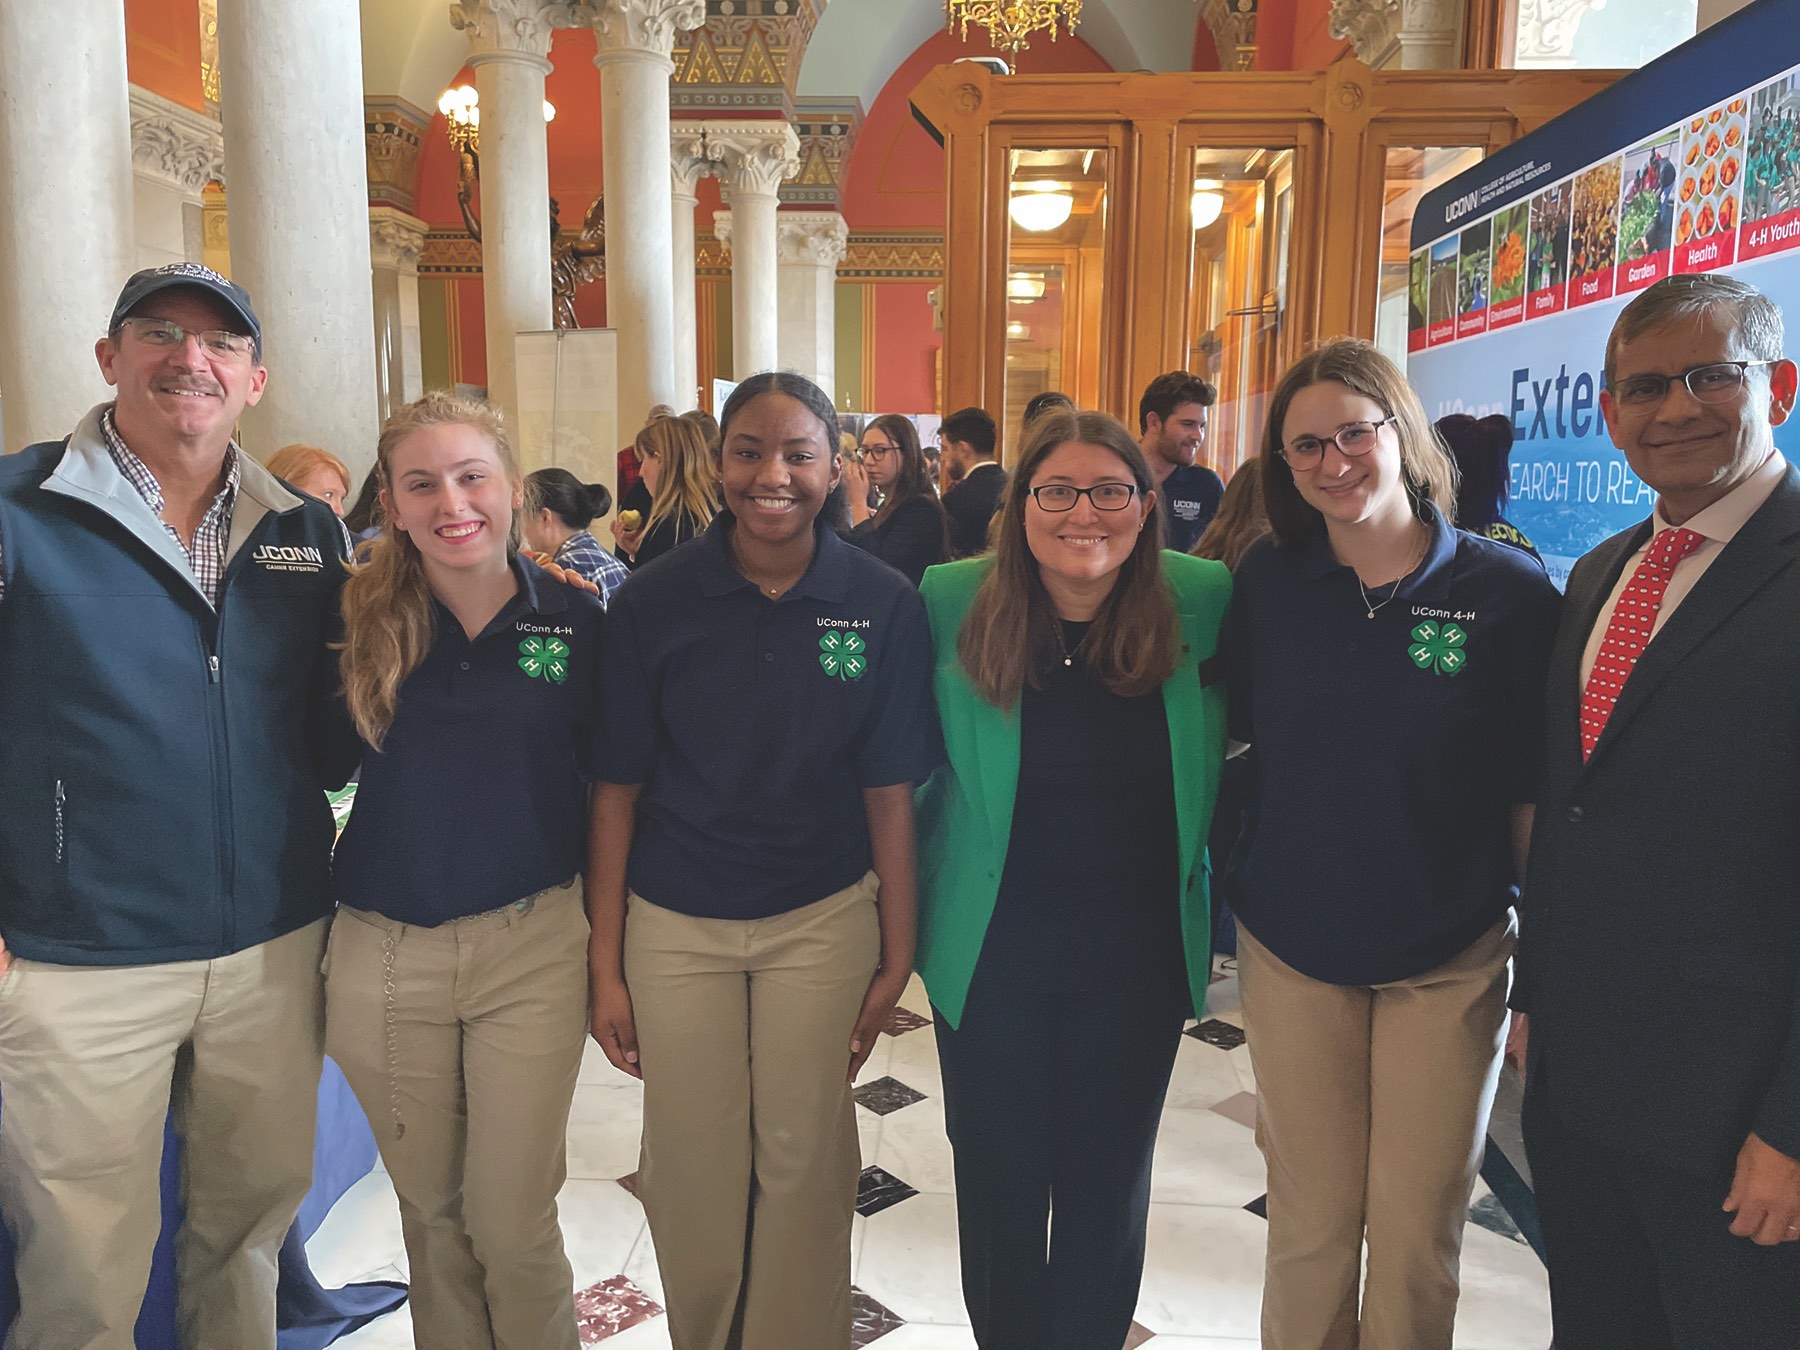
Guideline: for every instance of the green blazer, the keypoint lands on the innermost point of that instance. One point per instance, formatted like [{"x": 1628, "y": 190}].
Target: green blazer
[{"x": 965, "y": 809}]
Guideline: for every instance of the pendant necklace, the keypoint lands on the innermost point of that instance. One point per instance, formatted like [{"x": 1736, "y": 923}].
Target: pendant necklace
[
  {"x": 1372, "y": 606},
  {"x": 1068, "y": 653}
]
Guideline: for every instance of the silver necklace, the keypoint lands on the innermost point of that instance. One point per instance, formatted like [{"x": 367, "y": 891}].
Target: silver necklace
[
  {"x": 1068, "y": 653},
  {"x": 1372, "y": 606}
]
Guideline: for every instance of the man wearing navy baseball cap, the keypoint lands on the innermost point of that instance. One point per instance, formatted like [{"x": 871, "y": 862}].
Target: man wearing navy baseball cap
[{"x": 165, "y": 605}]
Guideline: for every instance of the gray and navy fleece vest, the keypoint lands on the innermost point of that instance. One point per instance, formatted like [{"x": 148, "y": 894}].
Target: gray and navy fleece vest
[{"x": 159, "y": 796}]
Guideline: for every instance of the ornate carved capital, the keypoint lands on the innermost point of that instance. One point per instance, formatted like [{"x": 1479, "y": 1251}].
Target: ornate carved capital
[
  {"x": 517, "y": 30},
  {"x": 394, "y": 136},
  {"x": 755, "y": 158},
  {"x": 811, "y": 238},
  {"x": 396, "y": 239},
  {"x": 1233, "y": 26},
  {"x": 640, "y": 29},
  {"x": 722, "y": 228},
  {"x": 175, "y": 146},
  {"x": 1370, "y": 25},
  {"x": 689, "y": 158},
  {"x": 1547, "y": 31},
  {"x": 1408, "y": 34}
]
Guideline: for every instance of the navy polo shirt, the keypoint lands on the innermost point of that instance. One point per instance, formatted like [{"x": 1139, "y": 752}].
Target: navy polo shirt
[
  {"x": 1189, "y": 498},
  {"x": 754, "y": 724},
  {"x": 479, "y": 794},
  {"x": 1389, "y": 752}
]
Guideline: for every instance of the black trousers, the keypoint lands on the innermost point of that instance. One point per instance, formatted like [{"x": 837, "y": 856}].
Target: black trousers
[
  {"x": 1641, "y": 1256},
  {"x": 1053, "y": 1088}
]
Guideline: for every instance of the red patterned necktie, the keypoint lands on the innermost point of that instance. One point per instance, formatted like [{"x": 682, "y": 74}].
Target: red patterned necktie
[{"x": 1629, "y": 629}]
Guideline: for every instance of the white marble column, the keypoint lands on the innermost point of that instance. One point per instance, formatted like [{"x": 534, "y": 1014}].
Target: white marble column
[
  {"x": 65, "y": 207},
  {"x": 810, "y": 245},
  {"x": 688, "y": 164},
  {"x": 395, "y": 242},
  {"x": 755, "y": 158},
  {"x": 509, "y": 50},
  {"x": 291, "y": 99},
  {"x": 635, "y": 39}
]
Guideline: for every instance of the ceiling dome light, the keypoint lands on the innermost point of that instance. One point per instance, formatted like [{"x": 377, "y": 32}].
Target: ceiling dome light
[
  {"x": 1208, "y": 205},
  {"x": 1024, "y": 287},
  {"x": 1040, "y": 211},
  {"x": 1017, "y": 331}
]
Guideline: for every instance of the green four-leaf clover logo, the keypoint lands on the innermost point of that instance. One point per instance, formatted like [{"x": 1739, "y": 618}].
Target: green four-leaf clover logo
[
  {"x": 548, "y": 657},
  {"x": 841, "y": 654},
  {"x": 1439, "y": 648}
]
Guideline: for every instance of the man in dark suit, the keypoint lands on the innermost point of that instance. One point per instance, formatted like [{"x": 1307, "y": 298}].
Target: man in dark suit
[
  {"x": 1660, "y": 955},
  {"x": 968, "y": 438}
]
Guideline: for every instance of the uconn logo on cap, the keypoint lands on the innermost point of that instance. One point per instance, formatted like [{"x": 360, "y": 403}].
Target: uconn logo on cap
[
  {"x": 192, "y": 270},
  {"x": 289, "y": 558}
]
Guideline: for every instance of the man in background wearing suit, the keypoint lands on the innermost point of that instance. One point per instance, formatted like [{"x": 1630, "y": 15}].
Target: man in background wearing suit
[
  {"x": 968, "y": 437},
  {"x": 1660, "y": 952}
]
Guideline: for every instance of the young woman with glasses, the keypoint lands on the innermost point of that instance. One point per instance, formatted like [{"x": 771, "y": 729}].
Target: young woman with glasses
[
  {"x": 909, "y": 532},
  {"x": 1388, "y": 670},
  {"x": 1063, "y": 934}
]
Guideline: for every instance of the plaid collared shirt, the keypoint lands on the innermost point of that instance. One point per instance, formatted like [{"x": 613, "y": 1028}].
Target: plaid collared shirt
[
  {"x": 582, "y": 554},
  {"x": 206, "y": 555}
]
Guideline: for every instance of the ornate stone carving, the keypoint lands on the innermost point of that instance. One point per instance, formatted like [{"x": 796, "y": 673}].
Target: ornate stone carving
[
  {"x": 722, "y": 231},
  {"x": 1408, "y": 34},
  {"x": 514, "y": 28},
  {"x": 748, "y": 55},
  {"x": 396, "y": 239},
  {"x": 639, "y": 27},
  {"x": 967, "y": 98},
  {"x": 1233, "y": 26},
  {"x": 394, "y": 136},
  {"x": 1547, "y": 31},
  {"x": 175, "y": 145},
  {"x": 689, "y": 158},
  {"x": 811, "y": 238},
  {"x": 890, "y": 255},
  {"x": 755, "y": 158},
  {"x": 827, "y": 128}
]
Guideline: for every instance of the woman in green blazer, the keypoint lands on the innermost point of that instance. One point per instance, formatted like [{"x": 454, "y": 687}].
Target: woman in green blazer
[{"x": 1064, "y": 930}]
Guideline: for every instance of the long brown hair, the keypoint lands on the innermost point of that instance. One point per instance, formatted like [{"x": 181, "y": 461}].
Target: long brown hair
[
  {"x": 389, "y": 621},
  {"x": 912, "y": 475},
  {"x": 1009, "y": 638},
  {"x": 1239, "y": 522},
  {"x": 688, "y": 484},
  {"x": 1427, "y": 468}
]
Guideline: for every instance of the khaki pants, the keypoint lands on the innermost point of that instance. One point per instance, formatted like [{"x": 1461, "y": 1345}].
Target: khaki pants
[
  {"x": 92, "y": 1060},
  {"x": 462, "y": 1042},
  {"x": 750, "y": 1157},
  {"x": 1372, "y": 1110}
]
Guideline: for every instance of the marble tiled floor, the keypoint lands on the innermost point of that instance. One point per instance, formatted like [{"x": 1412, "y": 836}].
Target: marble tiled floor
[{"x": 1203, "y": 1278}]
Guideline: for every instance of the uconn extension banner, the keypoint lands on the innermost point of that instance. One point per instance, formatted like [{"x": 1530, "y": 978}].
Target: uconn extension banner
[{"x": 1520, "y": 265}]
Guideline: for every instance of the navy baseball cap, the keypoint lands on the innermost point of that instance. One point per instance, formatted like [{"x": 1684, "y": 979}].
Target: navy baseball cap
[{"x": 154, "y": 280}]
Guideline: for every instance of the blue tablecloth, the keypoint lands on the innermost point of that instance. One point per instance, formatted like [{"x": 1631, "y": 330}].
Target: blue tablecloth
[{"x": 309, "y": 1317}]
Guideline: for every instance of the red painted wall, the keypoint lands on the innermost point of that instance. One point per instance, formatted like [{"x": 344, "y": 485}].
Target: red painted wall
[
  {"x": 162, "y": 49},
  {"x": 1313, "y": 47}
]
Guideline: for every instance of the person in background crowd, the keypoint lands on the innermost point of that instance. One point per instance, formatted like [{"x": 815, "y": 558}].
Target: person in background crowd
[
  {"x": 363, "y": 519},
  {"x": 683, "y": 478},
  {"x": 165, "y": 605},
  {"x": 708, "y": 426},
  {"x": 456, "y": 976},
  {"x": 1039, "y": 404},
  {"x": 969, "y": 438},
  {"x": 1063, "y": 922},
  {"x": 317, "y": 473},
  {"x": 908, "y": 531},
  {"x": 767, "y": 706},
  {"x": 934, "y": 467},
  {"x": 1239, "y": 523},
  {"x": 1482, "y": 448},
  {"x": 1660, "y": 956},
  {"x": 558, "y": 509},
  {"x": 631, "y": 459},
  {"x": 1172, "y": 423},
  {"x": 1387, "y": 671}
]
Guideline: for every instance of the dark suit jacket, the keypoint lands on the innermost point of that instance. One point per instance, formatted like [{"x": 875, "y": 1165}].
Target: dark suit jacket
[
  {"x": 1660, "y": 956},
  {"x": 910, "y": 540},
  {"x": 971, "y": 505}
]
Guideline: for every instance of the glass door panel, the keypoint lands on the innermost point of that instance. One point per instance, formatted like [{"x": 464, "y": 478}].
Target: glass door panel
[{"x": 1404, "y": 305}]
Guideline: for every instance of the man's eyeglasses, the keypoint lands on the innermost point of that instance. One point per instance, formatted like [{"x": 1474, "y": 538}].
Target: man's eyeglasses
[
  {"x": 1716, "y": 382},
  {"x": 216, "y": 341},
  {"x": 1105, "y": 496},
  {"x": 1355, "y": 439}
]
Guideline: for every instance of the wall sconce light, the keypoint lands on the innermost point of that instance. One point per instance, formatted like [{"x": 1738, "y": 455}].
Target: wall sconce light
[
  {"x": 1024, "y": 287},
  {"x": 1040, "y": 209},
  {"x": 1207, "y": 205}
]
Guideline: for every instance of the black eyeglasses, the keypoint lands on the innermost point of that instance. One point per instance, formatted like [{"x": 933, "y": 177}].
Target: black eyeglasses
[
  {"x": 1715, "y": 382},
  {"x": 1059, "y": 497},
  {"x": 877, "y": 451},
  {"x": 1355, "y": 439}
]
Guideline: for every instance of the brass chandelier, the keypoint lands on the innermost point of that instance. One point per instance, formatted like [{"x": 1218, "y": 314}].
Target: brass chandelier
[{"x": 1011, "y": 22}]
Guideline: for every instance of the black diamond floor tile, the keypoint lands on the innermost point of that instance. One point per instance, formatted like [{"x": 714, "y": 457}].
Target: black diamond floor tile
[
  {"x": 878, "y": 1189},
  {"x": 886, "y": 1095},
  {"x": 1259, "y": 1207},
  {"x": 869, "y": 1321},
  {"x": 1490, "y": 1214},
  {"x": 1219, "y": 1033}
]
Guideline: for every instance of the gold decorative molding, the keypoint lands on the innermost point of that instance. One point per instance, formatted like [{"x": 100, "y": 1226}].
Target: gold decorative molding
[
  {"x": 394, "y": 137},
  {"x": 746, "y": 56}
]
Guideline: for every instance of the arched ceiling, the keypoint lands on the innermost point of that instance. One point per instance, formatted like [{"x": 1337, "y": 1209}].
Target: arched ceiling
[
  {"x": 410, "y": 49},
  {"x": 859, "y": 44}
]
